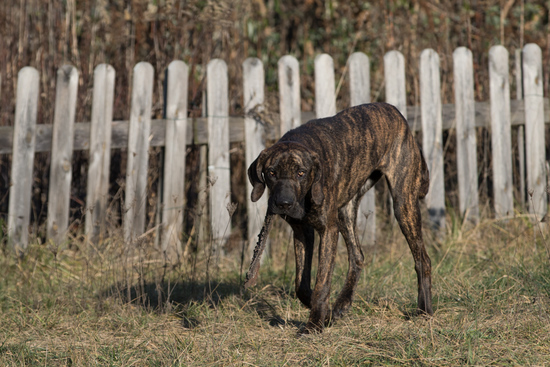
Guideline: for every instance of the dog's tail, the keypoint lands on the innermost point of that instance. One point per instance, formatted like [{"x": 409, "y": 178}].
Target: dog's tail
[{"x": 424, "y": 178}]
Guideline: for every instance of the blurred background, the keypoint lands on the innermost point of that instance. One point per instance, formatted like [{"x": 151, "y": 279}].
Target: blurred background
[{"x": 46, "y": 34}]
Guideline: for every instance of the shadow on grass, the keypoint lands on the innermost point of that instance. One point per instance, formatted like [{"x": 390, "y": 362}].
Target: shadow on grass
[
  {"x": 179, "y": 298},
  {"x": 155, "y": 295},
  {"x": 174, "y": 297},
  {"x": 263, "y": 301}
]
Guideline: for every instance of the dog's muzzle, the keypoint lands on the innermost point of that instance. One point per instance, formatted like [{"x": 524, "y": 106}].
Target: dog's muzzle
[{"x": 283, "y": 201}]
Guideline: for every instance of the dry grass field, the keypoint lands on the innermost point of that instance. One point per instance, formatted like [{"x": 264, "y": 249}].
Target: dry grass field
[{"x": 88, "y": 306}]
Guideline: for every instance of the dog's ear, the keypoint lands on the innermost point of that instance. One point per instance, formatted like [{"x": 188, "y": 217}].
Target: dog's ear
[
  {"x": 317, "y": 194},
  {"x": 255, "y": 177}
]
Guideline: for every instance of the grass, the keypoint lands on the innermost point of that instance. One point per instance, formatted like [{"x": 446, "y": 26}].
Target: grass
[{"x": 82, "y": 307}]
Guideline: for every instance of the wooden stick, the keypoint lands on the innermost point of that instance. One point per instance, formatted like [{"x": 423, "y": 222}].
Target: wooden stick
[{"x": 252, "y": 275}]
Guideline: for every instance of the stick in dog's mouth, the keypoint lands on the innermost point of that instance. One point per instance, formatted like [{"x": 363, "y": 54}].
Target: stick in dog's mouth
[{"x": 252, "y": 275}]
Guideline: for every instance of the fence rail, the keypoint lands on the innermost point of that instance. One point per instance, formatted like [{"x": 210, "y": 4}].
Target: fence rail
[
  {"x": 197, "y": 131},
  {"x": 217, "y": 130}
]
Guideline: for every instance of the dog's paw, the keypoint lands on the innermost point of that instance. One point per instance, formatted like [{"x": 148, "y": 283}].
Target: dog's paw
[
  {"x": 338, "y": 310},
  {"x": 310, "y": 329},
  {"x": 425, "y": 307},
  {"x": 426, "y": 313}
]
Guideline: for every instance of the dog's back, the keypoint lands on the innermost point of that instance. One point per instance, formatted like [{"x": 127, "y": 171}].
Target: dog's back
[{"x": 361, "y": 139}]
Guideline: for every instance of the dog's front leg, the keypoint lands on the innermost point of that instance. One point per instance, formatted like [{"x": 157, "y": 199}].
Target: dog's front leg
[
  {"x": 303, "y": 248},
  {"x": 321, "y": 292}
]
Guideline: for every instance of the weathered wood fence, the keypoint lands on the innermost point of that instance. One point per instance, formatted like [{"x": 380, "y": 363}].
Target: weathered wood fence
[{"x": 217, "y": 130}]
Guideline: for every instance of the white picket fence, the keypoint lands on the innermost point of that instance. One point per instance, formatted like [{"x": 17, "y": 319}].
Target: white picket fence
[{"x": 217, "y": 130}]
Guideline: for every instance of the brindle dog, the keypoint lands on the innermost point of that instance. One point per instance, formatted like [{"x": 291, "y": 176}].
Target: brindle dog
[{"x": 317, "y": 174}]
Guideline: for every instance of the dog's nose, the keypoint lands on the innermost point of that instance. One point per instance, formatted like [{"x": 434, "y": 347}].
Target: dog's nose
[{"x": 284, "y": 204}]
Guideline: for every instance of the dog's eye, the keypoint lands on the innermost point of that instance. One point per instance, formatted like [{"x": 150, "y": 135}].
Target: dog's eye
[
  {"x": 301, "y": 173},
  {"x": 271, "y": 173}
]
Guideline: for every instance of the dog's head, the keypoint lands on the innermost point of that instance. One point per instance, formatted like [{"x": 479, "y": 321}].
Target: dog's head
[{"x": 293, "y": 175}]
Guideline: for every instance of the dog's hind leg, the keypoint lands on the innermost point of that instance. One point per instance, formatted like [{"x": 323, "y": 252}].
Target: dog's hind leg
[
  {"x": 407, "y": 212},
  {"x": 346, "y": 225},
  {"x": 303, "y": 246},
  {"x": 408, "y": 181}
]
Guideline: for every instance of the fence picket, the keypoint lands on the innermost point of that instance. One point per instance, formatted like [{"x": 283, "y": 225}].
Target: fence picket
[
  {"x": 325, "y": 95},
  {"x": 432, "y": 135},
  {"x": 521, "y": 130},
  {"x": 218, "y": 151},
  {"x": 289, "y": 93},
  {"x": 359, "y": 78},
  {"x": 59, "y": 191},
  {"x": 534, "y": 129},
  {"x": 394, "y": 77},
  {"x": 138, "y": 151},
  {"x": 100, "y": 151},
  {"x": 173, "y": 198},
  {"x": 359, "y": 85},
  {"x": 254, "y": 136},
  {"x": 21, "y": 178},
  {"x": 501, "y": 131},
  {"x": 466, "y": 133},
  {"x": 396, "y": 94}
]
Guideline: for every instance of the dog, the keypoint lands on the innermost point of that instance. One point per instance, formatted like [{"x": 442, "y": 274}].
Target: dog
[{"x": 317, "y": 174}]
